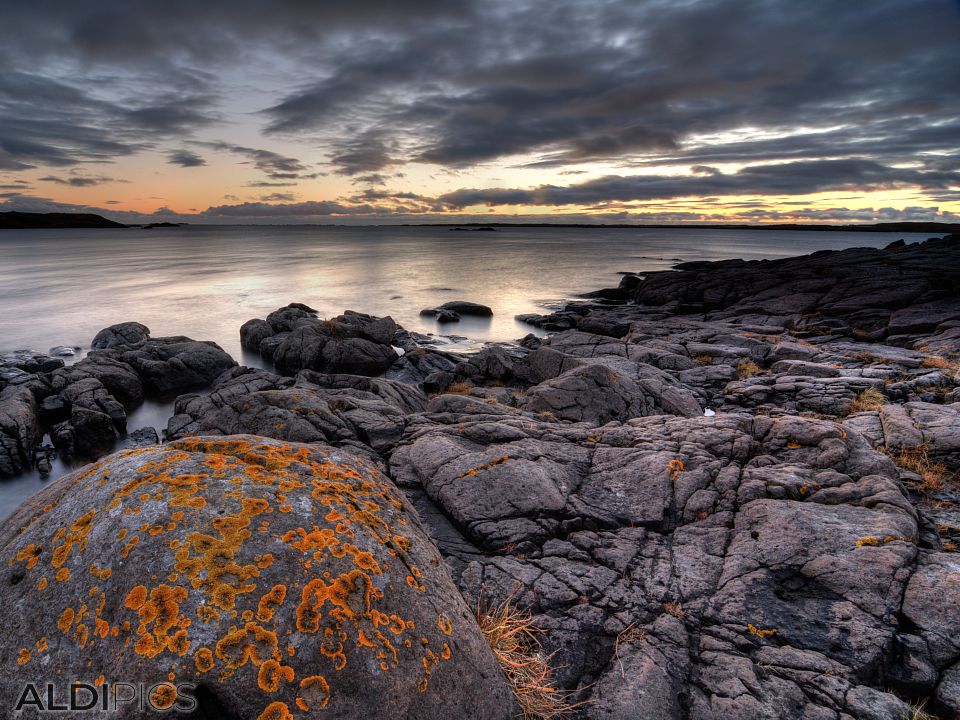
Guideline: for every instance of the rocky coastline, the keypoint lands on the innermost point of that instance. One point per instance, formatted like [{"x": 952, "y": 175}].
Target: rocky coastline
[{"x": 728, "y": 490}]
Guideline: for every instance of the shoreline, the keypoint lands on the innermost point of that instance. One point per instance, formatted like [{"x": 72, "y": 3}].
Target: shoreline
[{"x": 699, "y": 471}]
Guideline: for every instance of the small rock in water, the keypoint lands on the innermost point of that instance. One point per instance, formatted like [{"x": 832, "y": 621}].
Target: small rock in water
[{"x": 62, "y": 351}]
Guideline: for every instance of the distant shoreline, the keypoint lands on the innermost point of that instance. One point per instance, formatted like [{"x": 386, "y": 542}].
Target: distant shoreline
[
  {"x": 874, "y": 227},
  {"x": 68, "y": 221}
]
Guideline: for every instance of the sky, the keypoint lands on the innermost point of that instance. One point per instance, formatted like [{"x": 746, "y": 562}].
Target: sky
[{"x": 372, "y": 111}]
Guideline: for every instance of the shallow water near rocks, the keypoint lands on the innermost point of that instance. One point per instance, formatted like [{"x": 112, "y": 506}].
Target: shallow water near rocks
[{"x": 59, "y": 287}]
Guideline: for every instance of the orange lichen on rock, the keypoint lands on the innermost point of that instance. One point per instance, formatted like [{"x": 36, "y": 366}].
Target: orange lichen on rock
[
  {"x": 314, "y": 693},
  {"x": 30, "y": 554},
  {"x": 760, "y": 633},
  {"x": 161, "y": 611},
  {"x": 136, "y": 597},
  {"x": 270, "y": 601},
  {"x": 276, "y": 711},
  {"x": 203, "y": 659},
  {"x": 675, "y": 467},
  {"x": 473, "y": 472},
  {"x": 24, "y": 657},
  {"x": 271, "y": 673},
  {"x": 163, "y": 696},
  {"x": 252, "y": 643}
]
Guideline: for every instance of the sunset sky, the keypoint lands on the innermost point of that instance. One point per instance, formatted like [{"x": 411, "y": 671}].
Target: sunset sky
[{"x": 234, "y": 111}]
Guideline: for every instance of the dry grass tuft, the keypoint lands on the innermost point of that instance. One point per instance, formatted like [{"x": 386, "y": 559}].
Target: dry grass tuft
[
  {"x": 747, "y": 369},
  {"x": 512, "y": 636},
  {"x": 933, "y": 475},
  {"x": 702, "y": 359},
  {"x": 938, "y": 362},
  {"x": 869, "y": 399},
  {"x": 917, "y": 712},
  {"x": 629, "y": 635},
  {"x": 675, "y": 609},
  {"x": 458, "y": 388}
]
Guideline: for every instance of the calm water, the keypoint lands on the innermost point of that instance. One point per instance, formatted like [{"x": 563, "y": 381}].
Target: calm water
[{"x": 59, "y": 287}]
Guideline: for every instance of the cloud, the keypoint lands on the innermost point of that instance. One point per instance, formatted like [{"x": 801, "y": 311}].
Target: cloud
[
  {"x": 796, "y": 178},
  {"x": 716, "y": 89},
  {"x": 262, "y": 210},
  {"x": 185, "y": 158},
  {"x": 278, "y": 197},
  {"x": 274, "y": 165},
  {"x": 79, "y": 180}
]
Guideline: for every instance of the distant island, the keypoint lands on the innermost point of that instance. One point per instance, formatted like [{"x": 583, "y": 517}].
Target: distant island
[{"x": 27, "y": 221}]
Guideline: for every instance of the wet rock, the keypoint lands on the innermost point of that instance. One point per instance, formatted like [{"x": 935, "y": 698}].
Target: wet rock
[
  {"x": 143, "y": 437},
  {"x": 19, "y": 430},
  {"x": 172, "y": 365},
  {"x": 128, "y": 334},
  {"x": 262, "y": 582},
  {"x": 460, "y": 307}
]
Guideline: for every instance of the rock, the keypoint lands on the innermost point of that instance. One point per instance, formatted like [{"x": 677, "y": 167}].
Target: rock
[
  {"x": 96, "y": 419},
  {"x": 447, "y": 316},
  {"x": 595, "y": 394},
  {"x": 948, "y": 691},
  {"x": 19, "y": 430},
  {"x": 172, "y": 365},
  {"x": 312, "y": 347},
  {"x": 350, "y": 411},
  {"x": 683, "y": 567},
  {"x": 930, "y": 602},
  {"x": 278, "y": 578},
  {"x": 460, "y": 307},
  {"x": 287, "y": 318},
  {"x": 254, "y": 332},
  {"x": 62, "y": 351},
  {"x": 128, "y": 334},
  {"x": 418, "y": 364},
  {"x": 294, "y": 339},
  {"x": 144, "y": 437},
  {"x": 30, "y": 362}
]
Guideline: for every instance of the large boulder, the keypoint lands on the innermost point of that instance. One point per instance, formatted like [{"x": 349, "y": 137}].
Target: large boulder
[{"x": 277, "y": 579}]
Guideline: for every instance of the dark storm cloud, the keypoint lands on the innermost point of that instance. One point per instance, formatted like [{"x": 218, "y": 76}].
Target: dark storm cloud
[
  {"x": 797, "y": 178},
  {"x": 652, "y": 81},
  {"x": 185, "y": 158},
  {"x": 871, "y": 87}
]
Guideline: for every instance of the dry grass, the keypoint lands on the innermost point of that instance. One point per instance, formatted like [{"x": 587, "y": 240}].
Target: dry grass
[
  {"x": 938, "y": 362},
  {"x": 702, "y": 359},
  {"x": 675, "y": 609},
  {"x": 747, "y": 369},
  {"x": 865, "y": 357},
  {"x": 869, "y": 399},
  {"x": 629, "y": 635},
  {"x": 512, "y": 636},
  {"x": 933, "y": 475},
  {"x": 458, "y": 388},
  {"x": 917, "y": 712}
]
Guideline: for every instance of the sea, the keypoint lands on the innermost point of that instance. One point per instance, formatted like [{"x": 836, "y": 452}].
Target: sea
[{"x": 59, "y": 287}]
